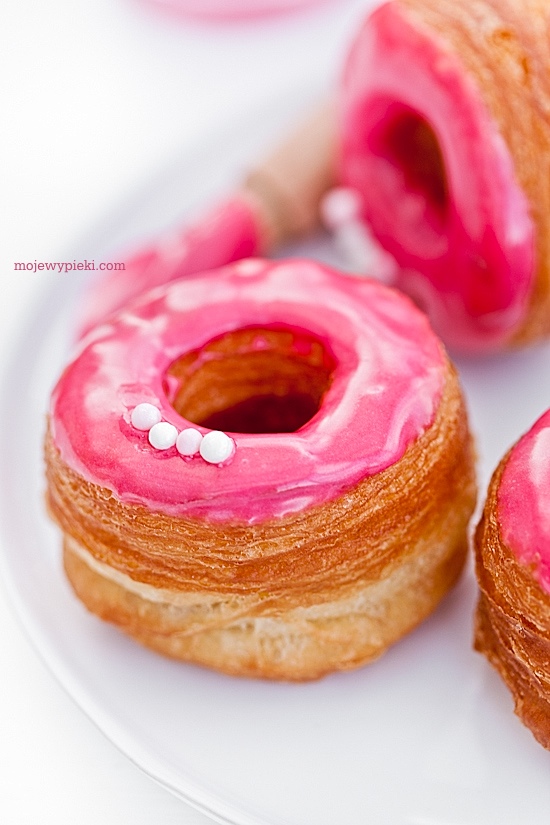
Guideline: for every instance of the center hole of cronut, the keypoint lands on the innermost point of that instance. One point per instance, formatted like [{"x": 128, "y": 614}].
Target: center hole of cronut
[
  {"x": 409, "y": 143},
  {"x": 252, "y": 380}
]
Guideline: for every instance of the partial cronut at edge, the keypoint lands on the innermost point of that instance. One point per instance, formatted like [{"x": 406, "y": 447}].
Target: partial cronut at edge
[
  {"x": 505, "y": 48},
  {"x": 512, "y": 625}
]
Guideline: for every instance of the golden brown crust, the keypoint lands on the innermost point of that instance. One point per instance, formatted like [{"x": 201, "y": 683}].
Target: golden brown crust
[
  {"x": 513, "y": 620},
  {"x": 294, "y": 598},
  {"x": 504, "y": 46}
]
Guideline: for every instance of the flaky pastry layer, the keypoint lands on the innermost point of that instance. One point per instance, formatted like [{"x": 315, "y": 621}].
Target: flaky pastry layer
[
  {"x": 505, "y": 48},
  {"x": 295, "y": 598},
  {"x": 512, "y": 625}
]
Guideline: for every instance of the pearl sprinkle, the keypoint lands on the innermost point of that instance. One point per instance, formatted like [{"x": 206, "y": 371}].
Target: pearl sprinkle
[
  {"x": 162, "y": 436},
  {"x": 215, "y": 447},
  {"x": 145, "y": 416},
  {"x": 189, "y": 441}
]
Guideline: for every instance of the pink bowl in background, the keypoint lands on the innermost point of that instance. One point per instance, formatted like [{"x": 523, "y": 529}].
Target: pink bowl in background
[{"x": 233, "y": 9}]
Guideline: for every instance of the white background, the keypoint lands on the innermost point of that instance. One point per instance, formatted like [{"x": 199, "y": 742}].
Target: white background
[{"x": 96, "y": 97}]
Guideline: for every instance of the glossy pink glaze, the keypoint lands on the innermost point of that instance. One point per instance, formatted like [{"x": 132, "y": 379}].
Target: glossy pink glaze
[
  {"x": 385, "y": 391},
  {"x": 226, "y": 233},
  {"x": 466, "y": 253},
  {"x": 524, "y": 500}
]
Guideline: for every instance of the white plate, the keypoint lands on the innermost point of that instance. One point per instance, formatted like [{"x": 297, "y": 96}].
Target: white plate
[{"x": 425, "y": 736}]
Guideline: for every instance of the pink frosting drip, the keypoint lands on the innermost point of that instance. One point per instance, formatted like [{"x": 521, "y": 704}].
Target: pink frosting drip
[
  {"x": 466, "y": 250},
  {"x": 384, "y": 393},
  {"x": 524, "y": 500}
]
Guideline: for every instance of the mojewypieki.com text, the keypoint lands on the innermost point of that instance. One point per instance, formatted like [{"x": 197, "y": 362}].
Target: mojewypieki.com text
[{"x": 68, "y": 266}]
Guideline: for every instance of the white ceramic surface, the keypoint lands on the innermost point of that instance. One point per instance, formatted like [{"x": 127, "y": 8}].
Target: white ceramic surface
[{"x": 425, "y": 736}]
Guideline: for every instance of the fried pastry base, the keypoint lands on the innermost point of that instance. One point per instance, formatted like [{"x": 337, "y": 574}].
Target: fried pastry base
[
  {"x": 512, "y": 626},
  {"x": 295, "y": 598}
]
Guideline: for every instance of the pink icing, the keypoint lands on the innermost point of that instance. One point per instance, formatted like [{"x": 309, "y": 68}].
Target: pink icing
[
  {"x": 524, "y": 500},
  {"x": 460, "y": 227},
  {"x": 386, "y": 385},
  {"x": 227, "y": 232}
]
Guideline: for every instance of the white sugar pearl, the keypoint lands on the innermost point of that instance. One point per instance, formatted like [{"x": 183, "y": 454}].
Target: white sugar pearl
[
  {"x": 188, "y": 441},
  {"x": 145, "y": 416},
  {"x": 162, "y": 436},
  {"x": 216, "y": 447}
]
